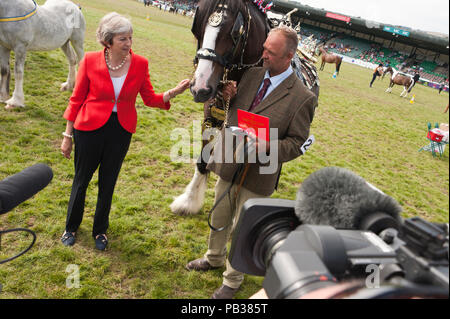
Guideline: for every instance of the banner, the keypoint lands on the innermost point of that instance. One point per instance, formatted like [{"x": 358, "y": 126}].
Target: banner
[{"x": 338, "y": 17}]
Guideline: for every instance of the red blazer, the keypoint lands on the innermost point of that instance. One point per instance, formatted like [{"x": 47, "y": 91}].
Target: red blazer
[{"x": 93, "y": 97}]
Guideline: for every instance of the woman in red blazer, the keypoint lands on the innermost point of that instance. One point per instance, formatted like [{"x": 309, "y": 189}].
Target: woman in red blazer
[{"x": 101, "y": 118}]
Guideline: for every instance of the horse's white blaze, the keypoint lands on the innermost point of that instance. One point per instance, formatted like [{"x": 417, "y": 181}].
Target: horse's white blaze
[{"x": 204, "y": 68}]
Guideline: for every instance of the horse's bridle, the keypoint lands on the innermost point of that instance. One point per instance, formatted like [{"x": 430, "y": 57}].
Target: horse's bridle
[{"x": 239, "y": 35}]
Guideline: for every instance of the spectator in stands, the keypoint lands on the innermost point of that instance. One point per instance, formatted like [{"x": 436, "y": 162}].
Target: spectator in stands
[{"x": 377, "y": 72}]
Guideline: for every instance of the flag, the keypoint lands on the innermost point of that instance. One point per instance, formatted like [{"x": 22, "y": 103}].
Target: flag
[{"x": 268, "y": 7}]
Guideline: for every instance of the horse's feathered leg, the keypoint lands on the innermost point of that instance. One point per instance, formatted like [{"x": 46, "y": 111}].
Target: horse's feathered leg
[
  {"x": 405, "y": 91},
  {"x": 75, "y": 52},
  {"x": 18, "y": 99},
  {"x": 77, "y": 38},
  {"x": 5, "y": 73},
  {"x": 71, "y": 57},
  {"x": 410, "y": 87},
  {"x": 389, "y": 89},
  {"x": 191, "y": 201}
]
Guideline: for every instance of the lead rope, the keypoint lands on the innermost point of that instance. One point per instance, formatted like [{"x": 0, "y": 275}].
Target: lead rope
[
  {"x": 224, "y": 82},
  {"x": 242, "y": 170}
]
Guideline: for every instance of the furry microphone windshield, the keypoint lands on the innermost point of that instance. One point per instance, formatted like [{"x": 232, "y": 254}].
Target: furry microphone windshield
[{"x": 338, "y": 197}]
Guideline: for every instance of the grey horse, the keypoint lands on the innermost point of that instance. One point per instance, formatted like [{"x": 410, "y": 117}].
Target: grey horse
[{"x": 26, "y": 26}]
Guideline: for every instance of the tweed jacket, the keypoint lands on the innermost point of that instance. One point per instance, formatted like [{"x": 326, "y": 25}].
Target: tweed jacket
[{"x": 290, "y": 108}]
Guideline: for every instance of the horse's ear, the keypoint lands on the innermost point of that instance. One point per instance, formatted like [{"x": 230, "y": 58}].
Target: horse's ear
[{"x": 195, "y": 25}]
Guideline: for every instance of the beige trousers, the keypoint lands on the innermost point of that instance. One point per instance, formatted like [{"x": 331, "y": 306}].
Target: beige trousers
[{"x": 226, "y": 213}]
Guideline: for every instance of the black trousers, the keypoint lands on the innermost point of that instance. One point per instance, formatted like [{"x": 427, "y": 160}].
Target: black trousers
[
  {"x": 105, "y": 149},
  {"x": 374, "y": 77}
]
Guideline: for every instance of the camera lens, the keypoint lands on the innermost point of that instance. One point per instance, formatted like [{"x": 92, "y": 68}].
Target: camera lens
[{"x": 269, "y": 234}]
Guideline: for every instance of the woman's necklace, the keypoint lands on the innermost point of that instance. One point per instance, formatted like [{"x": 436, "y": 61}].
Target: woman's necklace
[{"x": 114, "y": 68}]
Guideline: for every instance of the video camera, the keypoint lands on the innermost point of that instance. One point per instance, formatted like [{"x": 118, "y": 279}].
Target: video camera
[
  {"x": 338, "y": 226},
  {"x": 18, "y": 188}
]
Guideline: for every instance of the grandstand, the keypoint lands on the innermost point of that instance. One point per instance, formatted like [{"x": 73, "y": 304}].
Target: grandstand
[
  {"x": 186, "y": 5},
  {"x": 368, "y": 43}
]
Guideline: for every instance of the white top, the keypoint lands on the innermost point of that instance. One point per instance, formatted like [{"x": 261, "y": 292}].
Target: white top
[{"x": 117, "y": 83}]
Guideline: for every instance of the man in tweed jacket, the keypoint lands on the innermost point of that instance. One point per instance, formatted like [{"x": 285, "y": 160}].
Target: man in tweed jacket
[{"x": 290, "y": 107}]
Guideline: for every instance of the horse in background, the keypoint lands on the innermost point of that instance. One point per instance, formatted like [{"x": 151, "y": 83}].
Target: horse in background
[
  {"x": 230, "y": 36},
  {"x": 399, "y": 79},
  {"x": 329, "y": 58},
  {"x": 26, "y": 26}
]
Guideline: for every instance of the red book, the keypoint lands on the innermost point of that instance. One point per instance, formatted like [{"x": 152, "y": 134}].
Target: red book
[{"x": 253, "y": 122}]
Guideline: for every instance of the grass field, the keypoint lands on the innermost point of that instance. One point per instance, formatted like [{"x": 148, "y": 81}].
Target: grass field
[{"x": 375, "y": 134}]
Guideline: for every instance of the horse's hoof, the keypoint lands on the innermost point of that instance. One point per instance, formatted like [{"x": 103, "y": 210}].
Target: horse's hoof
[
  {"x": 66, "y": 87},
  {"x": 182, "y": 212},
  {"x": 181, "y": 207},
  {"x": 13, "y": 104},
  {"x": 11, "y": 107},
  {"x": 4, "y": 99}
]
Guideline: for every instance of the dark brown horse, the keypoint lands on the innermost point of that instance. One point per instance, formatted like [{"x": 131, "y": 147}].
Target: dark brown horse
[
  {"x": 230, "y": 36},
  {"x": 330, "y": 58},
  {"x": 396, "y": 78}
]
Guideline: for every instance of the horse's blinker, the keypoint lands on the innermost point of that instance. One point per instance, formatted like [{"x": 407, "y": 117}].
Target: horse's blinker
[{"x": 238, "y": 28}]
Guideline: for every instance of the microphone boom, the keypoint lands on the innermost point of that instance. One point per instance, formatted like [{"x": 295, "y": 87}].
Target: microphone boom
[{"x": 19, "y": 187}]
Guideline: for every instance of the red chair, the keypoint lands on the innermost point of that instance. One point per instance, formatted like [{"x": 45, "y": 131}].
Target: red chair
[{"x": 436, "y": 144}]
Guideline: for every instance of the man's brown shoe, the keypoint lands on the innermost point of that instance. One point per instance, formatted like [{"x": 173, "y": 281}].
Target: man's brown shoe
[
  {"x": 200, "y": 264},
  {"x": 224, "y": 292}
]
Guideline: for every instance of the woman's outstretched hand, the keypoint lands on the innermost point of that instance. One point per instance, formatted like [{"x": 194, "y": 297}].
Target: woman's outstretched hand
[{"x": 180, "y": 88}]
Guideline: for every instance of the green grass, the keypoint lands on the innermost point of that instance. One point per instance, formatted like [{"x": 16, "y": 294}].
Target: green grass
[{"x": 375, "y": 134}]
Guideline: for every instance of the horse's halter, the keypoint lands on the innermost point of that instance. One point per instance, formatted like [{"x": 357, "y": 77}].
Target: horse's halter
[{"x": 238, "y": 34}]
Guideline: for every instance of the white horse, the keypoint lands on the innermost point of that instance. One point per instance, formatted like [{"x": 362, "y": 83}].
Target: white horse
[{"x": 26, "y": 26}]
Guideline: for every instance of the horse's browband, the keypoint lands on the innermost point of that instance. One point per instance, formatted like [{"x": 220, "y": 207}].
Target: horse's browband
[
  {"x": 209, "y": 54},
  {"x": 21, "y": 18}
]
